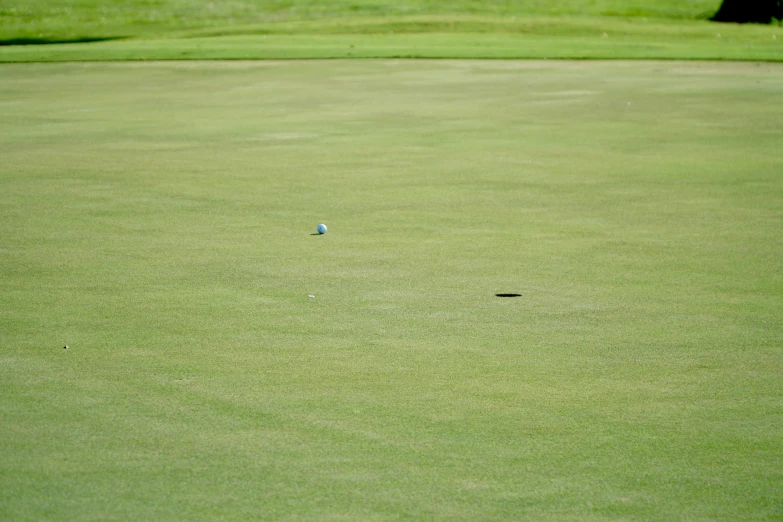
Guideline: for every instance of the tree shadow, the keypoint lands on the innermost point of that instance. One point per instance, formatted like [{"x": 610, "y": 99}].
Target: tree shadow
[
  {"x": 26, "y": 40},
  {"x": 746, "y": 12}
]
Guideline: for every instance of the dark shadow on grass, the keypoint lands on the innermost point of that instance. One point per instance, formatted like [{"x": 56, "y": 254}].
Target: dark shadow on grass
[
  {"x": 508, "y": 295},
  {"x": 50, "y": 41}
]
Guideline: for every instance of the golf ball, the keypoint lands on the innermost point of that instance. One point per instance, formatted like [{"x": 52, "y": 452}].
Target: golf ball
[{"x": 321, "y": 229}]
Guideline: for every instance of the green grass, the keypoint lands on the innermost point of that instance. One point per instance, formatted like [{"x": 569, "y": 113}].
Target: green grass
[
  {"x": 76, "y": 18},
  {"x": 157, "y": 218},
  {"x": 740, "y": 45},
  {"x": 67, "y": 30}
]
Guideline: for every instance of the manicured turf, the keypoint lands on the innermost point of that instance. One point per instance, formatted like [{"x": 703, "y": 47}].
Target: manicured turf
[
  {"x": 739, "y": 43},
  {"x": 157, "y": 218},
  {"x": 53, "y": 19},
  {"x": 86, "y": 30}
]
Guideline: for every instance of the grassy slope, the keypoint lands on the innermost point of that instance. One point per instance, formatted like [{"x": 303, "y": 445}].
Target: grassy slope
[
  {"x": 734, "y": 44},
  {"x": 413, "y": 28},
  {"x": 80, "y": 18},
  {"x": 161, "y": 226}
]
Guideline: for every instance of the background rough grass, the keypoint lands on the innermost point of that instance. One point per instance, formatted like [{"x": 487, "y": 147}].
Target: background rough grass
[
  {"x": 157, "y": 219},
  {"x": 59, "y": 18},
  {"x": 187, "y": 30}
]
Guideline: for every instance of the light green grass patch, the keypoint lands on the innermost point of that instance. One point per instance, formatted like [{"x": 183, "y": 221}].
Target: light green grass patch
[{"x": 157, "y": 218}]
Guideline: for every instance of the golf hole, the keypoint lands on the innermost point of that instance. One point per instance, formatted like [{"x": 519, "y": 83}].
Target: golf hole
[{"x": 508, "y": 295}]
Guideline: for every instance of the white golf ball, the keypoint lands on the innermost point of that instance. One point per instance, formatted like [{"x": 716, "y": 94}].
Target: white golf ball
[{"x": 321, "y": 229}]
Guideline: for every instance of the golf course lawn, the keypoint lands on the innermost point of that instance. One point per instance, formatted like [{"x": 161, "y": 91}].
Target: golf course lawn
[
  {"x": 159, "y": 220},
  {"x": 95, "y": 30}
]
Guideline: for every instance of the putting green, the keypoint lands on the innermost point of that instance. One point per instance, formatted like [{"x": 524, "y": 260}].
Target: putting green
[{"x": 157, "y": 218}]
